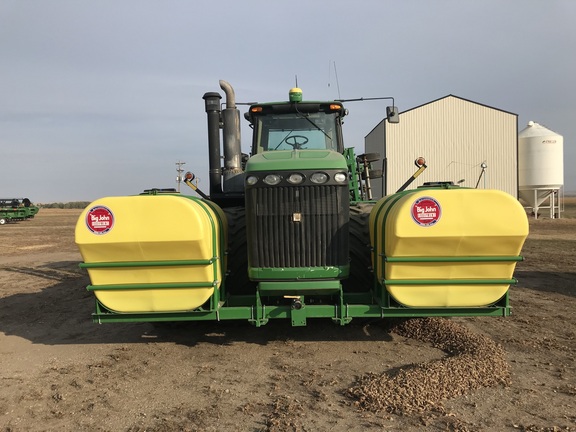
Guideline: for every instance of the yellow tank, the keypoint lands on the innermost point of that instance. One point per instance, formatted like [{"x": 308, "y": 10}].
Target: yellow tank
[
  {"x": 443, "y": 247},
  {"x": 152, "y": 253}
]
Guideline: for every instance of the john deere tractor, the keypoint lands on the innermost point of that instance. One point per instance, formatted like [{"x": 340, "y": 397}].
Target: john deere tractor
[{"x": 290, "y": 231}]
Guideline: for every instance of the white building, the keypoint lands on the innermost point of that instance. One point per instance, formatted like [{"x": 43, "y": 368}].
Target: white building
[{"x": 462, "y": 141}]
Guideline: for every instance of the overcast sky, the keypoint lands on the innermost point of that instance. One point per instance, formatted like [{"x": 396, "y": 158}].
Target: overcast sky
[{"x": 101, "y": 98}]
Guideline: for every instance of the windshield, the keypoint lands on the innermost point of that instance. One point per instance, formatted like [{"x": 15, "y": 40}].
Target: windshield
[{"x": 296, "y": 131}]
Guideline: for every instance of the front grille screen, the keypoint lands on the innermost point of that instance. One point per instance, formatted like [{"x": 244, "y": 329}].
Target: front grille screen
[{"x": 297, "y": 226}]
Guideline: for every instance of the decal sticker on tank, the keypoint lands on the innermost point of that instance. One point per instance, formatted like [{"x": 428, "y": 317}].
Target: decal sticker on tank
[
  {"x": 99, "y": 220},
  {"x": 426, "y": 211}
]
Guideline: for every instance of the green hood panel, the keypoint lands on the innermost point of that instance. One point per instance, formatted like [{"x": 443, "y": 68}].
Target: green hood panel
[{"x": 281, "y": 160}]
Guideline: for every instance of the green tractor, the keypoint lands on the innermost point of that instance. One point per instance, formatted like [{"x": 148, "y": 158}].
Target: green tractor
[{"x": 291, "y": 232}]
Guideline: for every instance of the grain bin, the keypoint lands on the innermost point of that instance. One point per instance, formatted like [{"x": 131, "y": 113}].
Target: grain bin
[{"x": 540, "y": 167}]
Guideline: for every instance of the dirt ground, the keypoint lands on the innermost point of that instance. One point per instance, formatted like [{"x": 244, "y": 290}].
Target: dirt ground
[{"x": 59, "y": 371}]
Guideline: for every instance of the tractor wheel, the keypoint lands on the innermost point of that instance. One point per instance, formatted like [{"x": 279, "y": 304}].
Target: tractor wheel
[
  {"x": 237, "y": 281},
  {"x": 361, "y": 277}
]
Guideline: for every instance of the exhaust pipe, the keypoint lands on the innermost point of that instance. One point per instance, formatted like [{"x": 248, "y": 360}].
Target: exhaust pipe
[
  {"x": 233, "y": 174},
  {"x": 212, "y": 104}
]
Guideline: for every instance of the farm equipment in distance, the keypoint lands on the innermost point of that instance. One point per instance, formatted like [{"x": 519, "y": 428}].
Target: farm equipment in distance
[
  {"x": 291, "y": 232},
  {"x": 16, "y": 209}
]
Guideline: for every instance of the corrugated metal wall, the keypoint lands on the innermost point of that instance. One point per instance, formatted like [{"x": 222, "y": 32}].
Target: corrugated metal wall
[{"x": 455, "y": 136}]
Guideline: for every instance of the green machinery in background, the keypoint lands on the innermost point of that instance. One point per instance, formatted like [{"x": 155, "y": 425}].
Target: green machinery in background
[{"x": 16, "y": 209}]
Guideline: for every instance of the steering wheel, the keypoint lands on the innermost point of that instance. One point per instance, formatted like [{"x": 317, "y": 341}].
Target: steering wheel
[{"x": 296, "y": 145}]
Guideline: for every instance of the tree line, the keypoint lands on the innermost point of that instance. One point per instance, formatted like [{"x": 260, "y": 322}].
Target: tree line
[{"x": 67, "y": 205}]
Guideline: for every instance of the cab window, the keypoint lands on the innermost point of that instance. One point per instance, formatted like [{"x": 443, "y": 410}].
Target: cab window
[{"x": 296, "y": 131}]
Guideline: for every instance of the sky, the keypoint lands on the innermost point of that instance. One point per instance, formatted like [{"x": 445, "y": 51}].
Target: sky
[{"x": 103, "y": 98}]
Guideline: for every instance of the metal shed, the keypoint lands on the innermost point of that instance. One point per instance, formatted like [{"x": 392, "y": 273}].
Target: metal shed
[{"x": 462, "y": 141}]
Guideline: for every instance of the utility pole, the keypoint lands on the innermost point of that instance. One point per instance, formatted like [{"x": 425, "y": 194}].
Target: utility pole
[{"x": 179, "y": 170}]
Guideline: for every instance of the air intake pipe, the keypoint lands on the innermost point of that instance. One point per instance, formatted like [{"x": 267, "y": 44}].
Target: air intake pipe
[
  {"x": 233, "y": 174},
  {"x": 212, "y": 104}
]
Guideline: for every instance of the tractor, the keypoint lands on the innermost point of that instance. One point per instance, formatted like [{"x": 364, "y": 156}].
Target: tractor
[{"x": 291, "y": 231}]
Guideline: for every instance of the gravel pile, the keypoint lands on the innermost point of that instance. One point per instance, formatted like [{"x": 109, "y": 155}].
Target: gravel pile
[
  {"x": 285, "y": 415},
  {"x": 473, "y": 361}
]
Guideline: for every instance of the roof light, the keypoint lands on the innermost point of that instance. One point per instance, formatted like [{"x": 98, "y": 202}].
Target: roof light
[
  {"x": 256, "y": 109},
  {"x": 335, "y": 107}
]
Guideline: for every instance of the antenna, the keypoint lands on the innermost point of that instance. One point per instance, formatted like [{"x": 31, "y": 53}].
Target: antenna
[
  {"x": 335, "y": 75},
  {"x": 337, "y": 82},
  {"x": 296, "y": 77}
]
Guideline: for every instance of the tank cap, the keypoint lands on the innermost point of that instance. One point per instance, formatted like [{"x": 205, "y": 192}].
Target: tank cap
[{"x": 530, "y": 123}]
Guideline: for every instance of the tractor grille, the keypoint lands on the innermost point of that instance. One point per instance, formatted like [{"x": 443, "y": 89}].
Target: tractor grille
[{"x": 304, "y": 226}]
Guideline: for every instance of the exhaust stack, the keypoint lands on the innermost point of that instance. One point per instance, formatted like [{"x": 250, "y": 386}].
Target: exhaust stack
[
  {"x": 212, "y": 104},
  {"x": 233, "y": 174}
]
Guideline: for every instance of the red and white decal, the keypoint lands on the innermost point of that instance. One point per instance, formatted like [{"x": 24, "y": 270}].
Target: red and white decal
[
  {"x": 426, "y": 211},
  {"x": 99, "y": 220}
]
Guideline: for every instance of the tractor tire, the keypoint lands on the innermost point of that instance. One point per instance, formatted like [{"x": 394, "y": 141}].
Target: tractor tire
[
  {"x": 236, "y": 280},
  {"x": 361, "y": 276}
]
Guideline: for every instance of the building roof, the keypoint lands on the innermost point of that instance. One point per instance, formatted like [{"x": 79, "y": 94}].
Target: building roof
[
  {"x": 461, "y": 98},
  {"x": 439, "y": 99}
]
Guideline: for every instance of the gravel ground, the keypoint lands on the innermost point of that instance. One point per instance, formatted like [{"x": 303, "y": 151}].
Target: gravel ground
[{"x": 59, "y": 371}]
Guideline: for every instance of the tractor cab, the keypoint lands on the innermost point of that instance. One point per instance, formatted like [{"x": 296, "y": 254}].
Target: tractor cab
[{"x": 296, "y": 125}]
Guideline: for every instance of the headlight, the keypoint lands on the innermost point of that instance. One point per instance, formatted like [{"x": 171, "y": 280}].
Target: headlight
[
  {"x": 295, "y": 178},
  {"x": 340, "y": 177},
  {"x": 272, "y": 179},
  {"x": 319, "y": 178},
  {"x": 251, "y": 180}
]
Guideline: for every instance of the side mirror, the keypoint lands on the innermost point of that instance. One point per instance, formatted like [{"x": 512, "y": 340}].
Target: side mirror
[{"x": 392, "y": 114}]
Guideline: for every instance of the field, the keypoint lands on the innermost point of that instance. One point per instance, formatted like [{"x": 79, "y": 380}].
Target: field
[{"x": 61, "y": 372}]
